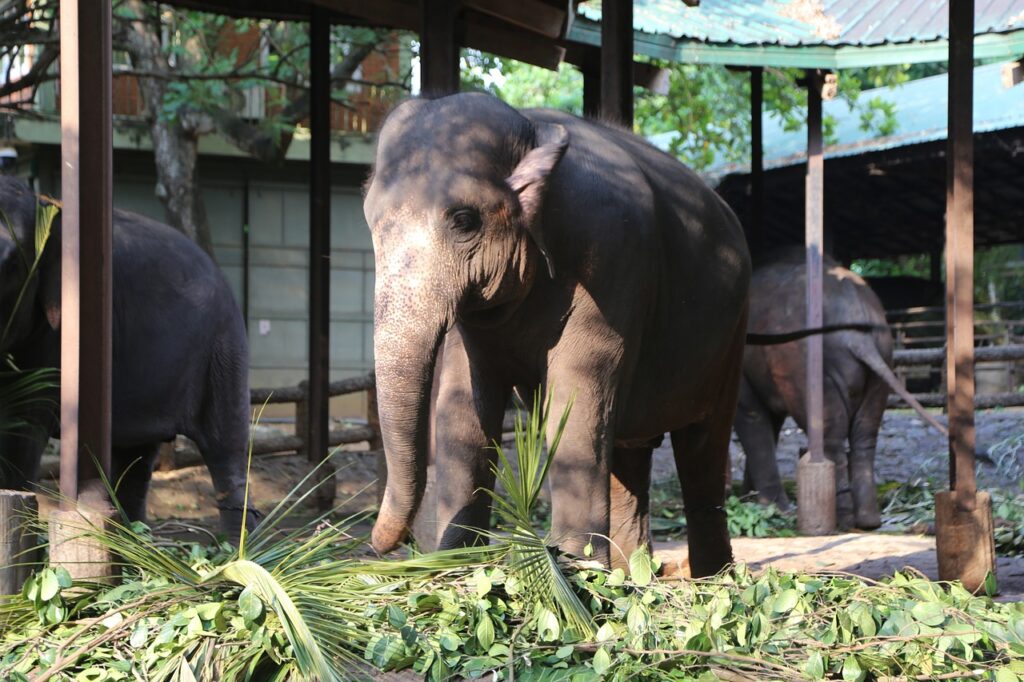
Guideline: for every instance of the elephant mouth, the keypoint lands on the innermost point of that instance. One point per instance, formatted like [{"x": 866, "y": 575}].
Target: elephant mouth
[{"x": 492, "y": 315}]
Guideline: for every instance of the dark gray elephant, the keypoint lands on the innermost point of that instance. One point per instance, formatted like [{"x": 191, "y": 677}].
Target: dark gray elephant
[
  {"x": 180, "y": 356},
  {"x": 857, "y": 382},
  {"x": 542, "y": 249}
]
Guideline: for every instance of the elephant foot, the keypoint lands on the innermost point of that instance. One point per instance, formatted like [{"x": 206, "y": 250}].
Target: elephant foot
[
  {"x": 231, "y": 522},
  {"x": 846, "y": 518}
]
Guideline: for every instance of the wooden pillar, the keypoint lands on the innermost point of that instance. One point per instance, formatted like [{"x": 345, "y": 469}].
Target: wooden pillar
[
  {"x": 617, "y": 61},
  {"x": 591, "y": 70},
  {"x": 756, "y": 160},
  {"x": 440, "y": 41},
  {"x": 815, "y": 473},
  {"x": 963, "y": 517},
  {"x": 86, "y": 284},
  {"x": 317, "y": 405},
  {"x": 18, "y": 546}
]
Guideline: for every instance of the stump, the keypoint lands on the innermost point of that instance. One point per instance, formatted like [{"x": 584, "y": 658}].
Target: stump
[
  {"x": 964, "y": 540},
  {"x": 70, "y": 544},
  {"x": 815, "y": 496},
  {"x": 18, "y": 547}
]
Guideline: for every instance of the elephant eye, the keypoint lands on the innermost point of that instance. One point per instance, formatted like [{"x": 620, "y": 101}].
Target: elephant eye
[{"x": 464, "y": 219}]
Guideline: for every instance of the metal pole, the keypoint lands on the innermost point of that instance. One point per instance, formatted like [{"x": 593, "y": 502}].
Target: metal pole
[
  {"x": 319, "y": 234},
  {"x": 617, "y": 61},
  {"x": 86, "y": 289},
  {"x": 756, "y": 160}
]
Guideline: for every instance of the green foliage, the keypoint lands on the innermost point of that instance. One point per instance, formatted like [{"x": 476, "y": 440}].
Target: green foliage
[
  {"x": 310, "y": 605},
  {"x": 746, "y": 516}
]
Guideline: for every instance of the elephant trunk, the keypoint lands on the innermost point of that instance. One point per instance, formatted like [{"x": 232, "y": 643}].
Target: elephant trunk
[{"x": 406, "y": 353}]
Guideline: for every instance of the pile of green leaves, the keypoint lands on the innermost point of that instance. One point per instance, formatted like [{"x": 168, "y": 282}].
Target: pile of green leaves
[{"x": 311, "y": 604}]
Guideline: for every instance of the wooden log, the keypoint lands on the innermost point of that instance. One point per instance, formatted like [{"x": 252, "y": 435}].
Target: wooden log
[
  {"x": 293, "y": 394},
  {"x": 981, "y": 402},
  {"x": 815, "y": 496},
  {"x": 18, "y": 547},
  {"x": 964, "y": 540}
]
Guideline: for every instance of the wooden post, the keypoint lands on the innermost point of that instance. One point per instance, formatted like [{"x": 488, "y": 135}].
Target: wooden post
[
  {"x": 18, "y": 546},
  {"x": 591, "y": 70},
  {"x": 318, "y": 402},
  {"x": 816, "y": 491},
  {"x": 439, "y": 47},
  {"x": 86, "y": 278},
  {"x": 963, "y": 519},
  {"x": 617, "y": 61},
  {"x": 756, "y": 160}
]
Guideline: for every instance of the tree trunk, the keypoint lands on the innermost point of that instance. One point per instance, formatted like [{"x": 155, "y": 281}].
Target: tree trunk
[{"x": 175, "y": 140}]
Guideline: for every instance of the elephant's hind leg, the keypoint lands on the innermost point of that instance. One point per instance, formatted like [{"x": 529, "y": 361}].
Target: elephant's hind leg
[
  {"x": 630, "y": 502},
  {"x": 758, "y": 431},
  {"x": 132, "y": 471},
  {"x": 863, "y": 440},
  {"x": 702, "y": 456}
]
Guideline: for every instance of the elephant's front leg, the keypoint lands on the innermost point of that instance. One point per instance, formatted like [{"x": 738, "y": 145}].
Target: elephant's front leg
[
  {"x": 580, "y": 470},
  {"x": 468, "y": 418},
  {"x": 630, "y": 502}
]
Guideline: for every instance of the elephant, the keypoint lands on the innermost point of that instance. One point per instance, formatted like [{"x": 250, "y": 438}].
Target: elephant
[
  {"x": 179, "y": 359},
  {"x": 857, "y": 382},
  {"x": 535, "y": 248}
]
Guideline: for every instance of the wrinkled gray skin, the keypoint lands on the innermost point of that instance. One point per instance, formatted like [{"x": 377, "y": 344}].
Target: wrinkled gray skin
[
  {"x": 857, "y": 382},
  {"x": 180, "y": 356},
  {"x": 542, "y": 249}
]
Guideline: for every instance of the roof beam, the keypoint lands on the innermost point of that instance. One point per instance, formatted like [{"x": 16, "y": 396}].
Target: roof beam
[{"x": 533, "y": 15}]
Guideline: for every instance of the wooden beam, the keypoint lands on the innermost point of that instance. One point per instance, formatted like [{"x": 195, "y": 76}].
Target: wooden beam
[
  {"x": 617, "y": 61},
  {"x": 960, "y": 254},
  {"x": 532, "y": 15},
  {"x": 490, "y": 35},
  {"x": 317, "y": 408},
  {"x": 392, "y": 13},
  {"x": 439, "y": 47},
  {"x": 86, "y": 237},
  {"x": 591, "y": 68}
]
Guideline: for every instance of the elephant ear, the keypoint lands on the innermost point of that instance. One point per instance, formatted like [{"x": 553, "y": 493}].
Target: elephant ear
[
  {"x": 49, "y": 275},
  {"x": 529, "y": 180}
]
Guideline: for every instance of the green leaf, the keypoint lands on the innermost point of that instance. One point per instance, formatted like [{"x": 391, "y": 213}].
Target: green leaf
[
  {"x": 485, "y": 632},
  {"x": 640, "y": 567},
  {"x": 815, "y": 666},
  {"x": 140, "y": 634},
  {"x": 396, "y": 617},
  {"x": 250, "y": 606},
  {"x": 49, "y": 586},
  {"x": 547, "y": 625},
  {"x": 616, "y": 578},
  {"x": 63, "y": 577},
  {"x": 1006, "y": 675},
  {"x": 929, "y": 613},
  {"x": 852, "y": 671},
  {"x": 785, "y": 601},
  {"x": 601, "y": 662},
  {"x": 636, "y": 619}
]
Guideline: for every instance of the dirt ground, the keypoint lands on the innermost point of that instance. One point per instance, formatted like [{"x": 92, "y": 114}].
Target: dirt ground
[{"x": 907, "y": 450}]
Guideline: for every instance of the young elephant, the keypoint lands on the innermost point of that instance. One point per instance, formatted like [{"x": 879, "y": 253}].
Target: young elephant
[
  {"x": 857, "y": 383},
  {"x": 538, "y": 248},
  {"x": 180, "y": 356}
]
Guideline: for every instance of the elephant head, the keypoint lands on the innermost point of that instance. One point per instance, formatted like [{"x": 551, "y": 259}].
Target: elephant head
[
  {"x": 23, "y": 299},
  {"x": 454, "y": 208}
]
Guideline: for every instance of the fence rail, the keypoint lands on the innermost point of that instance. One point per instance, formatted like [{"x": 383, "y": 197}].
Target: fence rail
[{"x": 931, "y": 357}]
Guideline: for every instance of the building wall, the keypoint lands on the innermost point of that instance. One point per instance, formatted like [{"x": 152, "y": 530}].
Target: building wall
[{"x": 278, "y": 267}]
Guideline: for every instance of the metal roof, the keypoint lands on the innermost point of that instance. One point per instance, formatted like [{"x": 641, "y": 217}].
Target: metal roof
[
  {"x": 920, "y": 108},
  {"x": 809, "y": 33}
]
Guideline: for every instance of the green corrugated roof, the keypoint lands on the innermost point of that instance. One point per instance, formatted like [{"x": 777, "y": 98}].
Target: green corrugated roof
[{"x": 829, "y": 34}]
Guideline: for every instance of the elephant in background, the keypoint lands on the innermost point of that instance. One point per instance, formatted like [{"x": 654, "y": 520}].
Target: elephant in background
[
  {"x": 180, "y": 353},
  {"x": 540, "y": 249},
  {"x": 857, "y": 382}
]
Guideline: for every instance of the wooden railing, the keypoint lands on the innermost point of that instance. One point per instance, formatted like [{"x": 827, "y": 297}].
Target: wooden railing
[{"x": 936, "y": 357}]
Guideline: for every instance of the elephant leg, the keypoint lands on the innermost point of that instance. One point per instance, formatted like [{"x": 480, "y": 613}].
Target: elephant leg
[
  {"x": 131, "y": 472},
  {"x": 469, "y": 412},
  {"x": 701, "y": 452},
  {"x": 580, "y": 471},
  {"x": 863, "y": 440},
  {"x": 837, "y": 426},
  {"x": 756, "y": 427},
  {"x": 630, "y": 502}
]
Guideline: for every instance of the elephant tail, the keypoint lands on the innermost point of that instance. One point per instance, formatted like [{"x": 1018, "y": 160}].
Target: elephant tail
[
  {"x": 756, "y": 339},
  {"x": 866, "y": 352}
]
